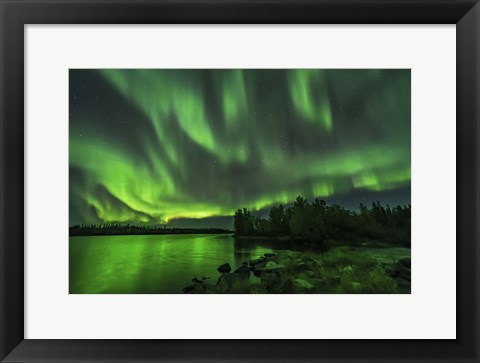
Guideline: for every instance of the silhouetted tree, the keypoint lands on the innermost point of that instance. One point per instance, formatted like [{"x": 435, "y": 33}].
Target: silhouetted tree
[
  {"x": 317, "y": 221},
  {"x": 277, "y": 219}
]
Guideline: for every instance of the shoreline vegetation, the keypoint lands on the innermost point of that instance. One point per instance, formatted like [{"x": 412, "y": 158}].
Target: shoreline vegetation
[
  {"x": 347, "y": 263},
  {"x": 338, "y": 271},
  {"x": 316, "y": 223}
]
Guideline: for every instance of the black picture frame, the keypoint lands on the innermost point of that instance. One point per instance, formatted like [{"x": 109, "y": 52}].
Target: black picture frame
[{"x": 15, "y": 14}]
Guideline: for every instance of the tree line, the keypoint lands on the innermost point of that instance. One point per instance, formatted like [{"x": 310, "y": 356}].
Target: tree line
[
  {"x": 317, "y": 221},
  {"x": 123, "y": 229}
]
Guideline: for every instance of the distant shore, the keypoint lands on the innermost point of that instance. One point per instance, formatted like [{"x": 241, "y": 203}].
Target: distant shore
[{"x": 122, "y": 230}]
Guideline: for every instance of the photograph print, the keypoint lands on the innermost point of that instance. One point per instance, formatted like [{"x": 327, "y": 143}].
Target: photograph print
[{"x": 239, "y": 181}]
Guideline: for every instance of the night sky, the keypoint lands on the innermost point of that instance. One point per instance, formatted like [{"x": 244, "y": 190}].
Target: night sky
[{"x": 189, "y": 147}]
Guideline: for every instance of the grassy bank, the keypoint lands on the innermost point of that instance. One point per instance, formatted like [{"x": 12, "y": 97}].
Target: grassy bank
[{"x": 342, "y": 270}]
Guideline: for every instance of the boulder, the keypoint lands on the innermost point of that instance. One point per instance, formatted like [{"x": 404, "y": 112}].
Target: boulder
[
  {"x": 224, "y": 268},
  {"x": 227, "y": 279},
  {"x": 189, "y": 289},
  {"x": 259, "y": 262},
  {"x": 199, "y": 286},
  {"x": 232, "y": 283},
  {"x": 270, "y": 268},
  {"x": 270, "y": 257},
  {"x": 244, "y": 271}
]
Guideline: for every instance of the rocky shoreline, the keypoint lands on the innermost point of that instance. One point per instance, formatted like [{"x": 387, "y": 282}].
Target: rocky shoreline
[{"x": 287, "y": 273}]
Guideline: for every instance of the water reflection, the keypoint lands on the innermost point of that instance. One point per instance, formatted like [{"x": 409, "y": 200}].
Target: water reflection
[{"x": 146, "y": 264}]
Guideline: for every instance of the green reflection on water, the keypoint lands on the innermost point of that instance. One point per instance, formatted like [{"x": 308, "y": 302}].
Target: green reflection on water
[{"x": 149, "y": 264}]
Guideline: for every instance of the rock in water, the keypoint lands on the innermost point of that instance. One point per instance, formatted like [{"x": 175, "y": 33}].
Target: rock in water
[
  {"x": 224, "y": 268},
  {"x": 199, "y": 286},
  {"x": 270, "y": 256},
  {"x": 259, "y": 262},
  {"x": 270, "y": 268},
  {"x": 244, "y": 271}
]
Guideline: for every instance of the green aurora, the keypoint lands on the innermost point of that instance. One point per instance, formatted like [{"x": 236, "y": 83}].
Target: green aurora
[{"x": 153, "y": 146}]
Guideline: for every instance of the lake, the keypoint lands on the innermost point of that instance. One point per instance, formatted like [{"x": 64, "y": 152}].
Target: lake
[
  {"x": 154, "y": 264},
  {"x": 165, "y": 264}
]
